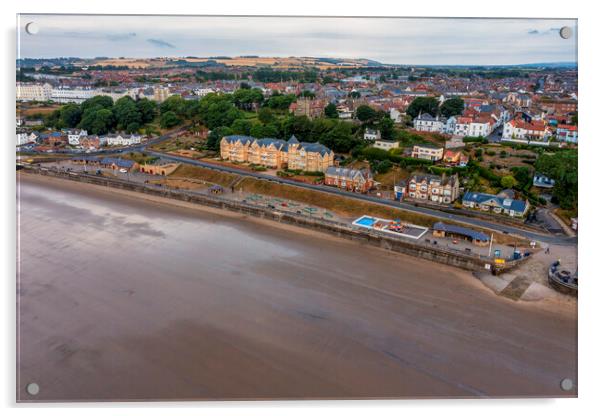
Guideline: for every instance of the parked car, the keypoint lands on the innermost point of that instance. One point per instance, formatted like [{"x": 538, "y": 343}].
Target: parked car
[{"x": 122, "y": 170}]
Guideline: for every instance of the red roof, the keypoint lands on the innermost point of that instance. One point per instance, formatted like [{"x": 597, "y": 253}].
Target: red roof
[{"x": 568, "y": 127}]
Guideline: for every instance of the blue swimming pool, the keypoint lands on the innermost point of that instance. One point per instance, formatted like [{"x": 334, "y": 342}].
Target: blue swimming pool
[{"x": 366, "y": 221}]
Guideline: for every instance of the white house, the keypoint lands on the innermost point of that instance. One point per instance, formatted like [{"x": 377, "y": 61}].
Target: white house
[
  {"x": 24, "y": 138},
  {"x": 426, "y": 122},
  {"x": 519, "y": 130},
  {"x": 123, "y": 139},
  {"x": 75, "y": 135},
  {"x": 386, "y": 144},
  {"x": 371, "y": 135},
  {"x": 33, "y": 91},
  {"x": 395, "y": 115}
]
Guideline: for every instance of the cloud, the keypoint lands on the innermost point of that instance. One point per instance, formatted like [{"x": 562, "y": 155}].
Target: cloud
[
  {"x": 160, "y": 43},
  {"x": 121, "y": 36},
  {"x": 388, "y": 40}
]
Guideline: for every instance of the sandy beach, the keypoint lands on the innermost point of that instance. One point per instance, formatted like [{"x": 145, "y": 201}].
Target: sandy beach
[{"x": 126, "y": 297}]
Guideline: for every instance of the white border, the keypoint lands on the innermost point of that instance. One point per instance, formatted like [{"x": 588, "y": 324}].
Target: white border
[
  {"x": 590, "y": 152},
  {"x": 369, "y": 227}
]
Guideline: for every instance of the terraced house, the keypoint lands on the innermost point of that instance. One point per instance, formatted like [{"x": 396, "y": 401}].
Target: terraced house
[
  {"x": 434, "y": 188},
  {"x": 276, "y": 153},
  {"x": 356, "y": 180}
]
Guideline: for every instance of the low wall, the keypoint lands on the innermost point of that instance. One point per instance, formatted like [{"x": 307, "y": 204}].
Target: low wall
[{"x": 373, "y": 238}]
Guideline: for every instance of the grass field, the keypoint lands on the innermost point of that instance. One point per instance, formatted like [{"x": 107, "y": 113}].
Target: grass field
[
  {"x": 208, "y": 175},
  {"x": 340, "y": 205}
]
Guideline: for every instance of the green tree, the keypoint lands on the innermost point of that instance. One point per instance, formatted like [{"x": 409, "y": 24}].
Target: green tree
[
  {"x": 386, "y": 128},
  {"x": 365, "y": 114},
  {"x": 563, "y": 168},
  {"x": 216, "y": 135},
  {"x": 340, "y": 138},
  {"x": 97, "y": 120},
  {"x": 522, "y": 174},
  {"x": 241, "y": 126},
  {"x": 280, "y": 102},
  {"x": 247, "y": 99},
  {"x": 428, "y": 105},
  {"x": 169, "y": 119},
  {"x": 265, "y": 115},
  {"x": 70, "y": 115},
  {"x": 147, "y": 109},
  {"x": 175, "y": 104},
  {"x": 508, "y": 181},
  {"x": 126, "y": 113},
  {"x": 452, "y": 107},
  {"x": 101, "y": 101},
  {"x": 330, "y": 111},
  {"x": 300, "y": 126}
]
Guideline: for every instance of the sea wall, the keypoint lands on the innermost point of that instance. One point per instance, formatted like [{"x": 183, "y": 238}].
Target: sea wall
[{"x": 423, "y": 250}]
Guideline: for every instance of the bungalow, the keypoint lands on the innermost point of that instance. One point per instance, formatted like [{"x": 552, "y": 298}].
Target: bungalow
[
  {"x": 497, "y": 204},
  {"x": 356, "y": 180},
  {"x": 478, "y": 238},
  {"x": 542, "y": 181},
  {"x": 427, "y": 152},
  {"x": 386, "y": 144},
  {"x": 118, "y": 163},
  {"x": 159, "y": 167}
]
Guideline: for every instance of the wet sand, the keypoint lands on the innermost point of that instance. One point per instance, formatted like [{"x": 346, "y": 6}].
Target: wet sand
[{"x": 128, "y": 299}]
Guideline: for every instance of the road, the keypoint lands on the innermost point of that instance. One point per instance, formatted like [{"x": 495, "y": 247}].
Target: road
[
  {"x": 471, "y": 221},
  {"x": 549, "y": 239}
]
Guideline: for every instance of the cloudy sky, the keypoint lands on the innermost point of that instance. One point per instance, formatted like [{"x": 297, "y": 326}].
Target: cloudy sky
[{"x": 388, "y": 40}]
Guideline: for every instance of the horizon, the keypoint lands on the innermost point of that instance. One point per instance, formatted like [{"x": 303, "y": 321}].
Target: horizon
[
  {"x": 390, "y": 41},
  {"x": 172, "y": 57}
]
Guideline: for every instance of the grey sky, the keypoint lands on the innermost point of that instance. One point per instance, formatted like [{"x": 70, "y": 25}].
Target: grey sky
[{"x": 388, "y": 40}]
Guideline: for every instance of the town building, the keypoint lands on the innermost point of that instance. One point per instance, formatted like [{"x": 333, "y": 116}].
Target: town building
[
  {"x": 454, "y": 143},
  {"x": 33, "y": 91},
  {"x": 433, "y": 188},
  {"x": 528, "y": 132},
  {"x": 371, "y": 135},
  {"x": 426, "y": 122},
  {"x": 356, "y": 180},
  {"x": 277, "y": 154},
  {"x": 74, "y": 135},
  {"x": 386, "y": 144},
  {"x": 309, "y": 107},
  {"x": 478, "y": 238},
  {"x": 495, "y": 203},
  {"x": 161, "y": 94},
  {"x": 427, "y": 152},
  {"x": 455, "y": 158},
  {"x": 567, "y": 133},
  {"x": 123, "y": 139},
  {"x": 159, "y": 167},
  {"x": 92, "y": 142}
]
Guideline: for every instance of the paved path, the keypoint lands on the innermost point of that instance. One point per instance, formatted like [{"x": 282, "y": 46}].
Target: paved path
[
  {"x": 546, "y": 238},
  {"x": 471, "y": 221}
]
